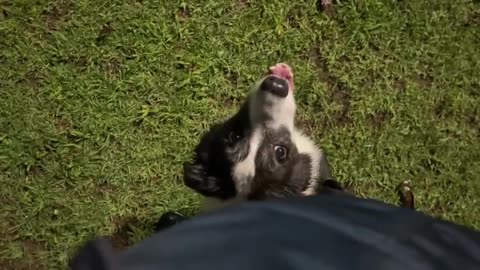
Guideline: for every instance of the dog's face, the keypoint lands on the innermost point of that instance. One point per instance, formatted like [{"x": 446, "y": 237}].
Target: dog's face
[{"x": 258, "y": 153}]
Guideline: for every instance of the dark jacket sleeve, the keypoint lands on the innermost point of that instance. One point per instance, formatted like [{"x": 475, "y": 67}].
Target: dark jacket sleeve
[{"x": 323, "y": 232}]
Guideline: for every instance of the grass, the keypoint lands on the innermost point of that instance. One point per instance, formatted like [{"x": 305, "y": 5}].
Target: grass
[{"x": 101, "y": 101}]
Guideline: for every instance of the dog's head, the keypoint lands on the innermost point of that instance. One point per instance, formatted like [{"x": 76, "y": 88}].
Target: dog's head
[{"x": 258, "y": 153}]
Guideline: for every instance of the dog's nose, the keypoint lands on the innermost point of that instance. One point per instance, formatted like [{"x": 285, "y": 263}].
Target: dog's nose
[{"x": 275, "y": 85}]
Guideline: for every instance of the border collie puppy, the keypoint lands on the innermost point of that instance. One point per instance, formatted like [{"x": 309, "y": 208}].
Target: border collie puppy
[{"x": 258, "y": 153}]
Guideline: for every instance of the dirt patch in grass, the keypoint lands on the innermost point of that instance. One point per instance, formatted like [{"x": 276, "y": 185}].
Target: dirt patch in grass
[
  {"x": 107, "y": 30},
  {"x": 112, "y": 67},
  {"x": 400, "y": 85},
  {"x": 365, "y": 189},
  {"x": 474, "y": 90},
  {"x": 339, "y": 92},
  {"x": 122, "y": 236},
  {"x": 442, "y": 108},
  {"x": 305, "y": 126},
  {"x": 326, "y": 6},
  {"x": 58, "y": 12},
  {"x": 342, "y": 96},
  {"x": 438, "y": 209},
  {"x": 295, "y": 15},
  {"x": 240, "y": 5},
  {"x": 472, "y": 19},
  {"x": 232, "y": 77},
  {"x": 473, "y": 120},
  {"x": 62, "y": 124},
  {"x": 32, "y": 80},
  {"x": 136, "y": 2},
  {"x": 424, "y": 80},
  {"x": 32, "y": 251},
  {"x": 378, "y": 119},
  {"x": 103, "y": 189},
  {"x": 229, "y": 101},
  {"x": 36, "y": 170},
  {"x": 321, "y": 64},
  {"x": 4, "y": 10}
]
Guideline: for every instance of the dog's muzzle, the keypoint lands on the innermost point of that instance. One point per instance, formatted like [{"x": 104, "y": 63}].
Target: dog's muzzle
[{"x": 275, "y": 85}]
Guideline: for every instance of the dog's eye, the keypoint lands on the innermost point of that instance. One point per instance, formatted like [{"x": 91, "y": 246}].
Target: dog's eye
[
  {"x": 281, "y": 153},
  {"x": 233, "y": 138}
]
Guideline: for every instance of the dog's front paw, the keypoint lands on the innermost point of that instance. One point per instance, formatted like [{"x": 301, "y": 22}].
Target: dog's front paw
[
  {"x": 197, "y": 179},
  {"x": 194, "y": 175}
]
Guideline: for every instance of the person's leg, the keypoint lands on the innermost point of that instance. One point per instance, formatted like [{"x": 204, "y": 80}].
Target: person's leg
[
  {"x": 319, "y": 232},
  {"x": 170, "y": 218}
]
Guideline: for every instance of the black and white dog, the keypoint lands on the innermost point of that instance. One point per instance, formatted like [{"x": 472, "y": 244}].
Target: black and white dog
[{"x": 258, "y": 153}]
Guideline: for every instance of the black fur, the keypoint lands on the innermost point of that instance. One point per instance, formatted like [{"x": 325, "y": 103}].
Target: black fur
[
  {"x": 273, "y": 179},
  {"x": 210, "y": 171},
  {"x": 226, "y": 144}
]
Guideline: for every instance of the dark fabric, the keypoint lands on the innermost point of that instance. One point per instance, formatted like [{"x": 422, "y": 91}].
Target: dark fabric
[{"x": 322, "y": 232}]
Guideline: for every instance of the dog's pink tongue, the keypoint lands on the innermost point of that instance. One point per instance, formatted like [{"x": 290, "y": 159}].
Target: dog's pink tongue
[{"x": 283, "y": 71}]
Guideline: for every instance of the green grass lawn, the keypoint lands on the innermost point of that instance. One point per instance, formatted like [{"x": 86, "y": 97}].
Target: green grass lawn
[{"x": 102, "y": 101}]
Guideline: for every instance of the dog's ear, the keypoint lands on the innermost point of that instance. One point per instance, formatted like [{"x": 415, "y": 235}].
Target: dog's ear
[{"x": 195, "y": 177}]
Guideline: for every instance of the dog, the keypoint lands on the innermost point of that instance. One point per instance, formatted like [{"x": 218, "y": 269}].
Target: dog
[{"x": 258, "y": 153}]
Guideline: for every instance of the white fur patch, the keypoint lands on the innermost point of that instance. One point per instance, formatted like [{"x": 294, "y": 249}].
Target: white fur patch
[
  {"x": 305, "y": 145},
  {"x": 244, "y": 171},
  {"x": 282, "y": 112}
]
